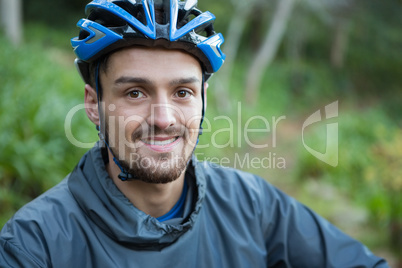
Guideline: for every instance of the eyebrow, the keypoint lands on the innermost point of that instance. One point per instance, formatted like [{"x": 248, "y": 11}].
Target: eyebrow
[
  {"x": 141, "y": 80},
  {"x": 131, "y": 79},
  {"x": 189, "y": 80}
]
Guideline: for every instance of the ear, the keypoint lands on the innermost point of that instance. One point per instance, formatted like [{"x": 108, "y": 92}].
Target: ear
[
  {"x": 206, "y": 85},
  {"x": 91, "y": 104}
]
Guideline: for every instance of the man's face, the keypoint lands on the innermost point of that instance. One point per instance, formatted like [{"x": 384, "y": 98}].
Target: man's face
[{"x": 152, "y": 110}]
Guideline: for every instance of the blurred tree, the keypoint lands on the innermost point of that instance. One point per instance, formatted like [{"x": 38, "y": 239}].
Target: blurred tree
[
  {"x": 11, "y": 19},
  {"x": 340, "y": 37},
  {"x": 268, "y": 49},
  {"x": 233, "y": 37}
]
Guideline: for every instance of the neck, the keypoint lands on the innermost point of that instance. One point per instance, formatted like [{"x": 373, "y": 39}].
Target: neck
[{"x": 154, "y": 199}]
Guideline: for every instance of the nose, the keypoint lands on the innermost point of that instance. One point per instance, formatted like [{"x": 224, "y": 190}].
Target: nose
[{"x": 163, "y": 114}]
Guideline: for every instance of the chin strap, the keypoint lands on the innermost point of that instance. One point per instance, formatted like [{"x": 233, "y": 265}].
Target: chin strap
[
  {"x": 124, "y": 174},
  {"x": 203, "y": 108}
]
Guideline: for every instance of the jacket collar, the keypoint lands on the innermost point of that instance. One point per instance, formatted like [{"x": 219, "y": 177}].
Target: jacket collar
[{"x": 111, "y": 211}]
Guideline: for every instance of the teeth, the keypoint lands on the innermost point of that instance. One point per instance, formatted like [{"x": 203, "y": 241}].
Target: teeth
[{"x": 159, "y": 143}]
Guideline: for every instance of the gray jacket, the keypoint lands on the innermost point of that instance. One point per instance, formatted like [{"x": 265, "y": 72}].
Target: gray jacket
[{"x": 231, "y": 219}]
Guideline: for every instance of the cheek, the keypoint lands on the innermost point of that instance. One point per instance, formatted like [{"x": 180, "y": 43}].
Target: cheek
[
  {"x": 193, "y": 118},
  {"x": 133, "y": 123},
  {"x": 125, "y": 122},
  {"x": 193, "y": 122}
]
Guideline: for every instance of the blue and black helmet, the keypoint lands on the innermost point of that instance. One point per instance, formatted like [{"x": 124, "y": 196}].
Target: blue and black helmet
[{"x": 114, "y": 24}]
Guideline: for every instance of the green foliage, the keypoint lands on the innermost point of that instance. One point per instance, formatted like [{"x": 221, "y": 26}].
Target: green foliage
[
  {"x": 374, "y": 59},
  {"x": 369, "y": 169},
  {"x": 48, "y": 37},
  {"x": 58, "y": 13},
  {"x": 38, "y": 89},
  {"x": 384, "y": 175}
]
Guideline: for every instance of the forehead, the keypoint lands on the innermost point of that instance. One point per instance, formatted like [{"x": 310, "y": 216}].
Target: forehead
[{"x": 153, "y": 62}]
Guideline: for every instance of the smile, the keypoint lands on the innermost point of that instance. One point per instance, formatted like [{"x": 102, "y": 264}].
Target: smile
[
  {"x": 159, "y": 142},
  {"x": 162, "y": 145}
]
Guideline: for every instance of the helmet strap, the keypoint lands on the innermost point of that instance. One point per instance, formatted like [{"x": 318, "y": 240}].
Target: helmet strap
[
  {"x": 124, "y": 174},
  {"x": 203, "y": 102}
]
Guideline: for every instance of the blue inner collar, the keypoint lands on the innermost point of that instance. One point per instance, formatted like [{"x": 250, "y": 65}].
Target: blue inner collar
[{"x": 178, "y": 209}]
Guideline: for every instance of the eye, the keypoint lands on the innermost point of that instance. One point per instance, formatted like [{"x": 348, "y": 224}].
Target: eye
[
  {"x": 135, "y": 94},
  {"x": 183, "y": 94}
]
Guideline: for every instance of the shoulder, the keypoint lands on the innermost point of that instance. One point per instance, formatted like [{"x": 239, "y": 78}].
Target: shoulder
[
  {"x": 37, "y": 223},
  {"x": 248, "y": 194},
  {"x": 293, "y": 233},
  {"x": 226, "y": 179},
  {"x": 47, "y": 206},
  {"x": 227, "y": 175},
  {"x": 242, "y": 190}
]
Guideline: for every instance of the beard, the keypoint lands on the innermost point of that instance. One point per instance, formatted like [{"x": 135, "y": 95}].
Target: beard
[
  {"x": 160, "y": 169},
  {"x": 151, "y": 170}
]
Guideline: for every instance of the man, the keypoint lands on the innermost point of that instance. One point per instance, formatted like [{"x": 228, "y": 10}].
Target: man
[{"x": 139, "y": 198}]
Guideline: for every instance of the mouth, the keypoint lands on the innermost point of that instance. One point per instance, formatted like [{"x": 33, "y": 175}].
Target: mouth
[
  {"x": 159, "y": 141},
  {"x": 161, "y": 144}
]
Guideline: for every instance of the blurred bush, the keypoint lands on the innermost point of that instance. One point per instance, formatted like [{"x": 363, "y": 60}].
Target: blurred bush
[
  {"x": 39, "y": 86},
  {"x": 384, "y": 176},
  {"x": 369, "y": 170}
]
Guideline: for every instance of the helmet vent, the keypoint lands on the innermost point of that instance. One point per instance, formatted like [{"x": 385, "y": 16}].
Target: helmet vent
[
  {"x": 136, "y": 10},
  {"x": 106, "y": 18},
  {"x": 83, "y": 35}
]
